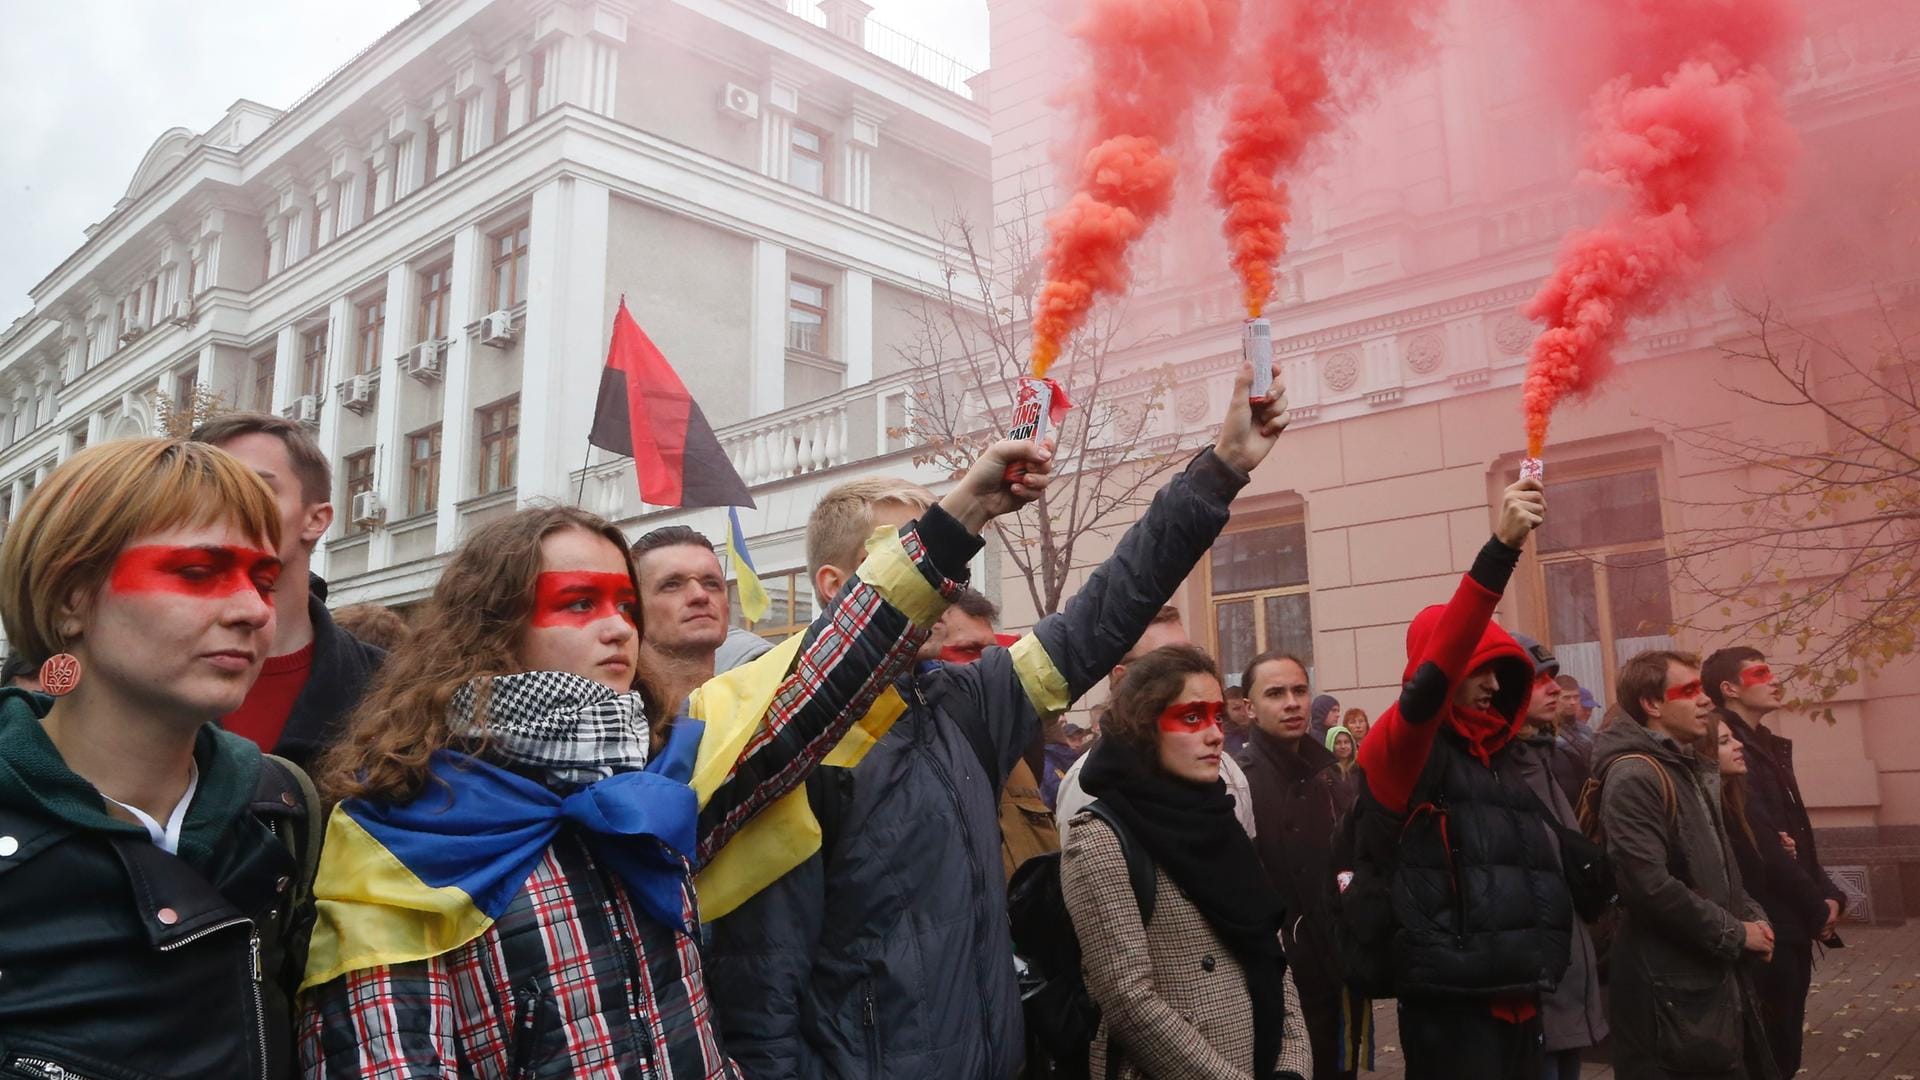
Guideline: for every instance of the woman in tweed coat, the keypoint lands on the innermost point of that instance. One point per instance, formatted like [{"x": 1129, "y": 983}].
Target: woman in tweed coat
[{"x": 1200, "y": 991}]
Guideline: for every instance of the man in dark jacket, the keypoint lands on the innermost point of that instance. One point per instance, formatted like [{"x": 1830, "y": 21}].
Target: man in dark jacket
[
  {"x": 1482, "y": 911},
  {"x": 1743, "y": 689},
  {"x": 316, "y": 672},
  {"x": 1677, "y": 997},
  {"x": 1574, "y": 1016},
  {"x": 1291, "y": 778},
  {"x": 889, "y": 953}
]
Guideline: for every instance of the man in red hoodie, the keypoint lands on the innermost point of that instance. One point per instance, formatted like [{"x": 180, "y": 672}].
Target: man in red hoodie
[{"x": 1483, "y": 917}]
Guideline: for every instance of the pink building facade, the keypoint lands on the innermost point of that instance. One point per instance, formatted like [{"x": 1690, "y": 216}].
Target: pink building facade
[{"x": 1430, "y": 221}]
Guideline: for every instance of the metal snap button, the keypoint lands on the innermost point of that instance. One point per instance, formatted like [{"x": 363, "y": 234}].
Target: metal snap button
[
  {"x": 167, "y": 916},
  {"x": 1207, "y": 963},
  {"x": 281, "y": 884},
  {"x": 8, "y": 845},
  {"x": 287, "y": 798}
]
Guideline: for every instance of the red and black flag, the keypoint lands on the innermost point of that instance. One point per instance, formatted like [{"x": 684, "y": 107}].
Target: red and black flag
[{"x": 646, "y": 413}]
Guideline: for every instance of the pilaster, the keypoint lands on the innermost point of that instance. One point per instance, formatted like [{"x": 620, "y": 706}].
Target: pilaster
[
  {"x": 768, "y": 349},
  {"x": 566, "y": 333}
]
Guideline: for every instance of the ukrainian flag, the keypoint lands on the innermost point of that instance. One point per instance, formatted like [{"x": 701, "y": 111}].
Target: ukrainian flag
[{"x": 753, "y": 595}]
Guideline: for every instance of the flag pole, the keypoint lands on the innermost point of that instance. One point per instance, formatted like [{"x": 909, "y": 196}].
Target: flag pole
[{"x": 580, "y": 497}]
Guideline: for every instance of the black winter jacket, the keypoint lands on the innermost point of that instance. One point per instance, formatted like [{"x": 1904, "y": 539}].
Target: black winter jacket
[
  {"x": 892, "y": 956},
  {"x": 119, "y": 961},
  {"x": 343, "y": 666},
  {"x": 1482, "y": 904}
]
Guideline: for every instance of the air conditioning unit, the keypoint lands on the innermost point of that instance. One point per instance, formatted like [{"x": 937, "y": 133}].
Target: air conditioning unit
[
  {"x": 132, "y": 333},
  {"x": 496, "y": 329},
  {"x": 366, "y": 508},
  {"x": 739, "y": 102},
  {"x": 423, "y": 361},
  {"x": 305, "y": 409},
  {"x": 357, "y": 393}
]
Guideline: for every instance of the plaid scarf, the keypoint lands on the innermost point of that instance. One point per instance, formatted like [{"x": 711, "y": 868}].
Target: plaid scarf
[{"x": 569, "y": 729}]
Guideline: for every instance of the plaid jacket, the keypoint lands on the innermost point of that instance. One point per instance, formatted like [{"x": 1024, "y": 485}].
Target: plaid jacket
[
  {"x": 1171, "y": 994},
  {"x": 572, "y": 980}
]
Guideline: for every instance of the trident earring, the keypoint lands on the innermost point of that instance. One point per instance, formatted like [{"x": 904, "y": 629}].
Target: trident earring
[{"x": 60, "y": 674}]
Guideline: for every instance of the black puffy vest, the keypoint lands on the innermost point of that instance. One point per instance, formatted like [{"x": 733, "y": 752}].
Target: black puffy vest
[{"x": 1478, "y": 895}]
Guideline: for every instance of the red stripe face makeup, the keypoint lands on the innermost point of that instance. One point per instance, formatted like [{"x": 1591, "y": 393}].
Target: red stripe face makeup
[
  {"x": 1191, "y": 716},
  {"x": 1757, "y": 675},
  {"x": 582, "y": 598},
  {"x": 1685, "y": 691},
  {"x": 206, "y": 572}
]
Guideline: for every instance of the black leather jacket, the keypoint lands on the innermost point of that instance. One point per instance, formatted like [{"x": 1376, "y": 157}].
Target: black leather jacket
[{"x": 119, "y": 961}]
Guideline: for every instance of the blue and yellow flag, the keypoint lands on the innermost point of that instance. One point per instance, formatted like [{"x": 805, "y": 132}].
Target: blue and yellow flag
[{"x": 753, "y": 595}]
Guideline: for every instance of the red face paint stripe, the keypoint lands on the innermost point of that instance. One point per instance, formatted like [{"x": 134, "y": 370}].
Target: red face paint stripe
[
  {"x": 1685, "y": 691},
  {"x": 1189, "y": 716},
  {"x": 194, "y": 571},
  {"x": 582, "y": 598},
  {"x": 1757, "y": 675}
]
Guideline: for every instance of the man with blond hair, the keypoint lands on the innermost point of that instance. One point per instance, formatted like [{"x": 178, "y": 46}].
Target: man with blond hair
[{"x": 888, "y": 953}]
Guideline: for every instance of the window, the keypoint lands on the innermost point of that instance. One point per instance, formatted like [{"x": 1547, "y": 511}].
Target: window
[
  {"x": 499, "y": 445},
  {"x": 436, "y": 290},
  {"x": 423, "y": 471},
  {"x": 789, "y": 605},
  {"x": 806, "y": 162},
  {"x": 807, "y": 316},
  {"x": 77, "y": 439},
  {"x": 1258, "y": 585},
  {"x": 371, "y": 320},
  {"x": 502, "y": 111},
  {"x": 313, "y": 361},
  {"x": 1603, "y": 574},
  {"x": 359, "y": 479},
  {"x": 263, "y": 382},
  {"x": 6, "y": 508},
  {"x": 433, "y": 152},
  {"x": 185, "y": 382},
  {"x": 510, "y": 266}
]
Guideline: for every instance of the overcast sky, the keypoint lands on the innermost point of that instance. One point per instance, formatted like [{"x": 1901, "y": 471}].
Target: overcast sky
[{"x": 88, "y": 85}]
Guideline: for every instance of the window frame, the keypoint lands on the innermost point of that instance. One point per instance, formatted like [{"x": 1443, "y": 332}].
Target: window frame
[
  {"x": 817, "y": 155},
  {"x": 1280, "y": 517},
  {"x": 356, "y": 483},
  {"x": 778, "y": 625},
  {"x": 1532, "y": 571},
  {"x": 513, "y": 263},
  {"x": 368, "y": 333},
  {"x": 824, "y": 310},
  {"x": 425, "y": 469},
  {"x": 506, "y": 412},
  {"x": 313, "y": 360},
  {"x": 434, "y": 312}
]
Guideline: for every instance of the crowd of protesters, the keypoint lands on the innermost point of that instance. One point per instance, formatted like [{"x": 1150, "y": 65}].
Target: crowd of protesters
[{"x": 567, "y": 822}]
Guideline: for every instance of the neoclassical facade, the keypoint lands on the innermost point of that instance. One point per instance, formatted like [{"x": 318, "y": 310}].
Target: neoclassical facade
[{"x": 421, "y": 259}]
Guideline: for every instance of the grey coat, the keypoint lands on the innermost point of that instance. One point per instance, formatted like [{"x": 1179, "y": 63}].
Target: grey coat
[
  {"x": 892, "y": 956},
  {"x": 1680, "y": 998},
  {"x": 1575, "y": 1014}
]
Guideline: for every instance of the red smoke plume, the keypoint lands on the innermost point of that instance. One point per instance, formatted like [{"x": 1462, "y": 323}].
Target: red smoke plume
[
  {"x": 1150, "y": 60},
  {"x": 1692, "y": 133},
  {"x": 1319, "y": 58}
]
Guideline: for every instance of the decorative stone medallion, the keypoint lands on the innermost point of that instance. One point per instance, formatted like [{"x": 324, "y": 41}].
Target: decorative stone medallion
[
  {"x": 1191, "y": 404},
  {"x": 1513, "y": 334},
  {"x": 1424, "y": 353},
  {"x": 1341, "y": 370}
]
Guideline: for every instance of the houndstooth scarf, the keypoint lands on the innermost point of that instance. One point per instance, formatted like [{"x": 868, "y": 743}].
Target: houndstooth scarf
[{"x": 572, "y": 730}]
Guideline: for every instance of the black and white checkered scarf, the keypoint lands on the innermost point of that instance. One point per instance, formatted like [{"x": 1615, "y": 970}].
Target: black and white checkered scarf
[{"x": 570, "y": 729}]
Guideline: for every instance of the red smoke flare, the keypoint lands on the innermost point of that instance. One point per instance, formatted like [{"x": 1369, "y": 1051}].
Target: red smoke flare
[
  {"x": 1319, "y": 58},
  {"x": 1700, "y": 149},
  {"x": 1150, "y": 60}
]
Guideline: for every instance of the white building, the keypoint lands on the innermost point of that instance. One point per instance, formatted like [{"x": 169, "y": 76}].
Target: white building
[{"x": 421, "y": 258}]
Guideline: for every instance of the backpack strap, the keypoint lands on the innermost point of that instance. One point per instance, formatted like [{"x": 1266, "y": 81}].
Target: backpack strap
[
  {"x": 280, "y": 778},
  {"x": 1140, "y": 869},
  {"x": 1668, "y": 796}
]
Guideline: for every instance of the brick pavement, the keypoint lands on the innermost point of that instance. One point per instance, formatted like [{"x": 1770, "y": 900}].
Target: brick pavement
[{"x": 1863, "y": 1015}]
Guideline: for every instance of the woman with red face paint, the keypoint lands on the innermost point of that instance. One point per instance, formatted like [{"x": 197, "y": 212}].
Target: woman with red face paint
[
  {"x": 1191, "y": 982},
  {"x": 508, "y": 884},
  {"x": 150, "y": 864}
]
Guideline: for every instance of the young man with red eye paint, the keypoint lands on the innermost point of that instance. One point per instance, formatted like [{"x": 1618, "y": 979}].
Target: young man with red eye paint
[
  {"x": 153, "y": 885},
  {"x": 316, "y": 672},
  {"x": 1680, "y": 996},
  {"x": 1745, "y": 690}
]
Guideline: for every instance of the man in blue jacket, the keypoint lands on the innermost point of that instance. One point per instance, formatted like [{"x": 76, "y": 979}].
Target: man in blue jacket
[{"x": 888, "y": 954}]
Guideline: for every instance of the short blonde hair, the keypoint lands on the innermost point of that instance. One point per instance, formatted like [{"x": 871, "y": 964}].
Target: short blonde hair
[
  {"x": 73, "y": 526},
  {"x": 841, "y": 521}
]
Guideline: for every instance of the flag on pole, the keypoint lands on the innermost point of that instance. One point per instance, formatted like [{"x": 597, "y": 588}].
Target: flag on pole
[
  {"x": 645, "y": 412},
  {"x": 753, "y": 595}
]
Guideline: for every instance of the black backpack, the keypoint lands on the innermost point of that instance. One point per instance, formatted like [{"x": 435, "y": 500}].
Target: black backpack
[{"x": 1061, "y": 1016}]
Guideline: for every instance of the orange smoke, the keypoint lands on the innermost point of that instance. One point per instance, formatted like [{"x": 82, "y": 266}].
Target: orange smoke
[
  {"x": 1150, "y": 60},
  {"x": 1692, "y": 134},
  {"x": 1319, "y": 58}
]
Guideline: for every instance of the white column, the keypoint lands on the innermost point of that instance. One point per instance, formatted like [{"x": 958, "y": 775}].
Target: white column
[
  {"x": 390, "y": 439},
  {"x": 566, "y": 333},
  {"x": 456, "y": 431},
  {"x": 776, "y": 134},
  {"x": 443, "y": 130},
  {"x": 326, "y": 206},
  {"x": 856, "y": 326},
  {"x": 382, "y": 155},
  {"x": 339, "y": 346},
  {"x": 768, "y": 337},
  {"x": 519, "y": 101},
  {"x": 286, "y": 366},
  {"x": 859, "y": 137}
]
